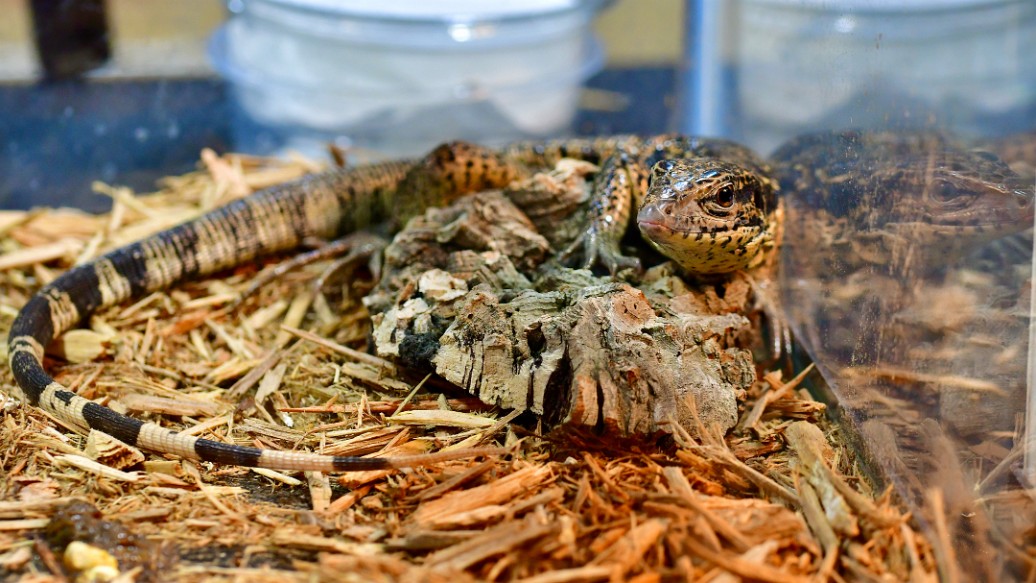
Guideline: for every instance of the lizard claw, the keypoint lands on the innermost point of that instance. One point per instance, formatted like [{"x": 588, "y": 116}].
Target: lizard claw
[{"x": 598, "y": 251}]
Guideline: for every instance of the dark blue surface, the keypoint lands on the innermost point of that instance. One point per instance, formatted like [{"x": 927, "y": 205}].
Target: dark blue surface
[{"x": 60, "y": 137}]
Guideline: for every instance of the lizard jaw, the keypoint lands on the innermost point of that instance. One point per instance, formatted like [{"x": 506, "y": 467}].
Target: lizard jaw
[{"x": 704, "y": 253}]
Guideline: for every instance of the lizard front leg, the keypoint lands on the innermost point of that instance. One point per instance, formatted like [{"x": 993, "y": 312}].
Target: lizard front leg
[{"x": 618, "y": 191}]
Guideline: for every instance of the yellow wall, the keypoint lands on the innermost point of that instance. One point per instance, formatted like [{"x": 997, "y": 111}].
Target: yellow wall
[{"x": 643, "y": 32}]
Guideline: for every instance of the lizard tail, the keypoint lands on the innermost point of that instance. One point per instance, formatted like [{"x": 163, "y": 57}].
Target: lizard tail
[{"x": 274, "y": 220}]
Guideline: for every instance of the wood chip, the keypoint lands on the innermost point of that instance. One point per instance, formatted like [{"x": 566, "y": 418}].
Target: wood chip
[
  {"x": 41, "y": 254},
  {"x": 441, "y": 419},
  {"x": 495, "y": 541},
  {"x": 184, "y": 407},
  {"x": 297, "y": 540},
  {"x": 111, "y": 452},
  {"x": 454, "y": 507},
  {"x": 23, "y": 524},
  {"x": 88, "y": 465}
]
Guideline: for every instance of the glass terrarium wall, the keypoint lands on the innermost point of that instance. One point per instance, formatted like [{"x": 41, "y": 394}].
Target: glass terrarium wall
[{"x": 904, "y": 136}]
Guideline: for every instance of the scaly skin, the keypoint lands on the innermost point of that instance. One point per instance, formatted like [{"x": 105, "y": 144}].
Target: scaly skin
[
  {"x": 679, "y": 216},
  {"x": 326, "y": 205},
  {"x": 709, "y": 216},
  {"x": 1016, "y": 149}
]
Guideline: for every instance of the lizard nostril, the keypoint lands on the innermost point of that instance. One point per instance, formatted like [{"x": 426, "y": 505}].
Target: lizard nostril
[{"x": 653, "y": 214}]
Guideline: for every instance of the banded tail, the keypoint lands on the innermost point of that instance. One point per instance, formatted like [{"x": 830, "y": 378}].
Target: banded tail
[{"x": 277, "y": 219}]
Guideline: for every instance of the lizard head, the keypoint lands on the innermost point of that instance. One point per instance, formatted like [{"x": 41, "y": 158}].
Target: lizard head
[
  {"x": 942, "y": 205},
  {"x": 956, "y": 191},
  {"x": 708, "y": 215},
  {"x": 915, "y": 197}
]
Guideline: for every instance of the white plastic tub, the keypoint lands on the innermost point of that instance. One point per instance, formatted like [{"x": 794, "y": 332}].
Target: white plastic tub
[
  {"x": 783, "y": 67},
  {"x": 398, "y": 77}
]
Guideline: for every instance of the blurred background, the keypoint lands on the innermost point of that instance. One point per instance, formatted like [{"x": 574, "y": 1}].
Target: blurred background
[
  {"x": 131, "y": 90},
  {"x": 125, "y": 91}
]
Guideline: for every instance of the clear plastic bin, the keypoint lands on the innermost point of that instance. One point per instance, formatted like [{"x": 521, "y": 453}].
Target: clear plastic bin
[
  {"x": 400, "y": 77},
  {"x": 766, "y": 70}
]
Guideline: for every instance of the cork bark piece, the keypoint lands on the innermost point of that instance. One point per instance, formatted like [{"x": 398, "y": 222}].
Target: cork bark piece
[{"x": 474, "y": 292}]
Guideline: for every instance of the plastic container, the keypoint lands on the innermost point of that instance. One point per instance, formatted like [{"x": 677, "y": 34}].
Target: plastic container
[
  {"x": 767, "y": 70},
  {"x": 398, "y": 77}
]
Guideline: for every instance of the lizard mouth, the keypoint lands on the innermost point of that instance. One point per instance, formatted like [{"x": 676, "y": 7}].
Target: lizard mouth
[
  {"x": 656, "y": 224},
  {"x": 651, "y": 228},
  {"x": 653, "y": 218},
  {"x": 699, "y": 250}
]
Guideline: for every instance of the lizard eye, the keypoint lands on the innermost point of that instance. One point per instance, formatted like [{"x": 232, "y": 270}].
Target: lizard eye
[
  {"x": 720, "y": 204},
  {"x": 725, "y": 197},
  {"x": 986, "y": 155},
  {"x": 948, "y": 194}
]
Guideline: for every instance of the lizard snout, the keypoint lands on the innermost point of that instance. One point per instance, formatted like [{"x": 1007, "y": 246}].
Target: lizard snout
[{"x": 652, "y": 218}]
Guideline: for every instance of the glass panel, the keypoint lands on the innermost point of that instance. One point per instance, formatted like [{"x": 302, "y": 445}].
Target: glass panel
[
  {"x": 907, "y": 275},
  {"x": 904, "y": 135}
]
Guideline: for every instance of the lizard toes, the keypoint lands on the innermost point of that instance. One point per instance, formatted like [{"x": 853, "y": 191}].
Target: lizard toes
[{"x": 616, "y": 262}]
